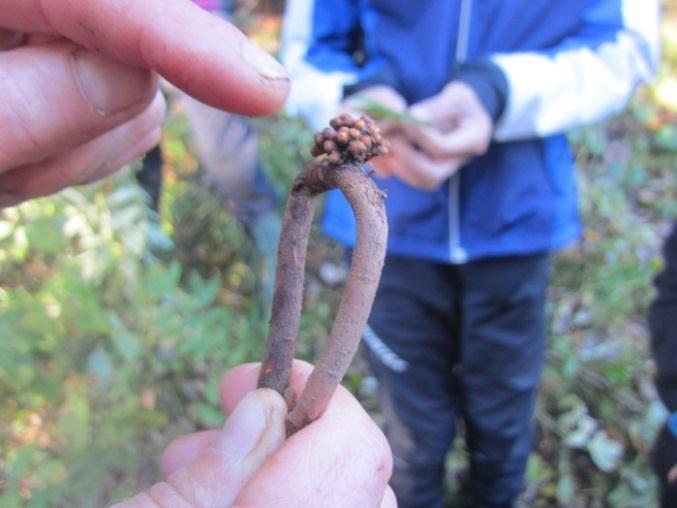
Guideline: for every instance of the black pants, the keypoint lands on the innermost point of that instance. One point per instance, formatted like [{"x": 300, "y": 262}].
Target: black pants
[
  {"x": 149, "y": 176},
  {"x": 448, "y": 342},
  {"x": 663, "y": 326}
]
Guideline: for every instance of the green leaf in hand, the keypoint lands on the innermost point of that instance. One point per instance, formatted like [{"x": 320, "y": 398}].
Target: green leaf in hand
[{"x": 377, "y": 110}]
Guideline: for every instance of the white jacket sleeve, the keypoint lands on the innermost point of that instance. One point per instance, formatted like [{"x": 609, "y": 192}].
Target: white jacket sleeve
[
  {"x": 579, "y": 82},
  {"x": 315, "y": 94}
]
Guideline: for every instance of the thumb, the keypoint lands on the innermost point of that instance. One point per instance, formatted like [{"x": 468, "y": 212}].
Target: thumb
[{"x": 254, "y": 431}]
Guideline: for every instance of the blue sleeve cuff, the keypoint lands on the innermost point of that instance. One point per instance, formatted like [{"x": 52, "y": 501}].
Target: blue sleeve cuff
[
  {"x": 672, "y": 424},
  {"x": 489, "y": 83}
]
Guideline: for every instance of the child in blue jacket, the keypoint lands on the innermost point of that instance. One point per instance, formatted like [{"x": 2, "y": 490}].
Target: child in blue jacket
[{"x": 479, "y": 192}]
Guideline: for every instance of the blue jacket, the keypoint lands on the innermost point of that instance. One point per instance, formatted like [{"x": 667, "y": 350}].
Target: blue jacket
[{"x": 565, "y": 64}]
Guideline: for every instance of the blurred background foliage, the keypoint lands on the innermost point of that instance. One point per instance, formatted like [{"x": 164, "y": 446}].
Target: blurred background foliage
[{"x": 118, "y": 323}]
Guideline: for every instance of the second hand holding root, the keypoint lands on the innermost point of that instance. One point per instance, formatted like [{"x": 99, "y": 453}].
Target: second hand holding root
[{"x": 345, "y": 147}]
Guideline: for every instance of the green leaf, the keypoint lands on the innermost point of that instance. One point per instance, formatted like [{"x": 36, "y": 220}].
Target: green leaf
[
  {"x": 20, "y": 247},
  {"x": 6, "y": 229},
  {"x": 41, "y": 498},
  {"x": 45, "y": 236},
  {"x": 204, "y": 291},
  {"x": 10, "y": 498},
  {"x": 377, "y": 110},
  {"x": 20, "y": 462},
  {"x": 606, "y": 453},
  {"x": 581, "y": 434},
  {"x": 209, "y": 415},
  {"x": 100, "y": 364},
  {"x": 565, "y": 489},
  {"x": 50, "y": 471},
  {"x": 74, "y": 420},
  {"x": 124, "y": 195},
  {"x": 666, "y": 138},
  {"x": 126, "y": 343}
]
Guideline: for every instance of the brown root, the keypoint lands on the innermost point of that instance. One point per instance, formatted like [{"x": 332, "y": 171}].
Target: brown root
[{"x": 367, "y": 202}]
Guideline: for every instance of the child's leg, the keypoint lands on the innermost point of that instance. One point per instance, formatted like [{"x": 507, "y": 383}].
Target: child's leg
[
  {"x": 663, "y": 327},
  {"x": 410, "y": 351},
  {"x": 149, "y": 176},
  {"x": 502, "y": 352}
]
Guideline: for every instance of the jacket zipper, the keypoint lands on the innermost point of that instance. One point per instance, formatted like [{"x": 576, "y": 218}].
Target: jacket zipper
[{"x": 457, "y": 253}]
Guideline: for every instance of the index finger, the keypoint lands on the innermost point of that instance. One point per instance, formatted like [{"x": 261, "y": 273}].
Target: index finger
[{"x": 203, "y": 55}]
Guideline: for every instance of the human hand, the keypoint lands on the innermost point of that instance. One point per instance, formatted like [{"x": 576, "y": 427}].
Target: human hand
[
  {"x": 415, "y": 167},
  {"x": 79, "y": 96},
  {"x": 454, "y": 127},
  {"x": 340, "y": 460}
]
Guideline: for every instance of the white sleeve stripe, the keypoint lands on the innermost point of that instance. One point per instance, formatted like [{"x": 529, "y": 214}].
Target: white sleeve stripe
[
  {"x": 641, "y": 19},
  {"x": 314, "y": 94},
  {"x": 551, "y": 93}
]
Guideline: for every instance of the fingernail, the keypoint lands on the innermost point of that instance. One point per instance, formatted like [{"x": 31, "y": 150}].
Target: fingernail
[
  {"x": 245, "y": 427},
  {"x": 264, "y": 64},
  {"x": 109, "y": 86}
]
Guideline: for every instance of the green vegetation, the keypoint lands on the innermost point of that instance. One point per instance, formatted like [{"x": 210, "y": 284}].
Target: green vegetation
[{"x": 117, "y": 326}]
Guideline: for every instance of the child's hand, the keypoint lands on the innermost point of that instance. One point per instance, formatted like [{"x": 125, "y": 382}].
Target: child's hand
[
  {"x": 431, "y": 140},
  {"x": 457, "y": 124},
  {"x": 454, "y": 128}
]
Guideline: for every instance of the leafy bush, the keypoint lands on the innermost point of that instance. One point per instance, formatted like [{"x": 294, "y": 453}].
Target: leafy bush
[{"x": 105, "y": 350}]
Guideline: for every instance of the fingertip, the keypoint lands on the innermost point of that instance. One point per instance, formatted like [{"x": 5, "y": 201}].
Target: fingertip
[
  {"x": 159, "y": 105},
  {"x": 421, "y": 112},
  {"x": 346, "y": 440},
  {"x": 185, "y": 450},
  {"x": 240, "y": 380},
  {"x": 272, "y": 400},
  {"x": 233, "y": 74},
  {"x": 257, "y": 424},
  {"x": 389, "y": 499},
  {"x": 275, "y": 407}
]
